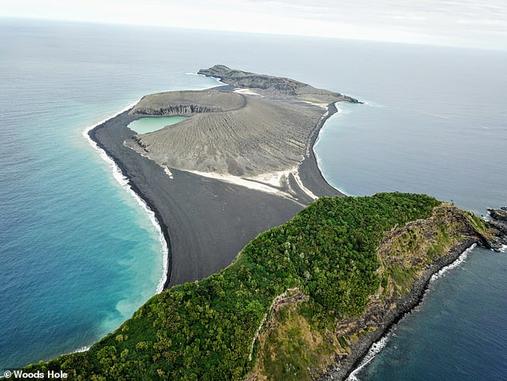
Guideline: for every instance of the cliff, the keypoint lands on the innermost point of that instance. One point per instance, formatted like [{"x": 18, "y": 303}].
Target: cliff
[
  {"x": 302, "y": 300},
  {"x": 273, "y": 85}
]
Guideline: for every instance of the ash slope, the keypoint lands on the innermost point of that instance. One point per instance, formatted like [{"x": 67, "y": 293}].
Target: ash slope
[{"x": 256, "y": 126}]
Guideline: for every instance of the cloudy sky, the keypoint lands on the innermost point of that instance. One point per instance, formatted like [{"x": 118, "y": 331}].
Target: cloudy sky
[{"x": 468, "y": 23}]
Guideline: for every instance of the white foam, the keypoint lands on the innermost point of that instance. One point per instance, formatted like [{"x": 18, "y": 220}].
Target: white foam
[
  {"x": 124, "y": 182},
  {"x": 503, "y": 249},
  {"x": 380, "y": 344},
  {"x": 372, "y": 352},
  {"x": 454, "y": 264},
  {"x": 82, "y": 349}
]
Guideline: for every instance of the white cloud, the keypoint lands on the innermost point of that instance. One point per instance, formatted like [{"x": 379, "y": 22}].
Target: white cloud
[{"x": 441, "y": 22}]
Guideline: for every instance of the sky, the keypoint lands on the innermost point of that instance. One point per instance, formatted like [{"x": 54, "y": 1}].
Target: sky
[{"x": 463, "y": 23}]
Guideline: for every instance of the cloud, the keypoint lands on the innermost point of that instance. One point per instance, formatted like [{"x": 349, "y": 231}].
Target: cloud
[{"x": 440, "y": 22}]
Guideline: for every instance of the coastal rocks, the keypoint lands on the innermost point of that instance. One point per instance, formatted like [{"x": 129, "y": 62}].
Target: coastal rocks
[
  {"x": 498, "y": 223},
  {"x": 188, "y": 102},
  {"x": 177, "y": 109},
  {"x": 244, "y": 79},
  {"x": 498, "y": 214},
  {"x": 278, "y": 86},
  {"x": 410, "y": 255}
]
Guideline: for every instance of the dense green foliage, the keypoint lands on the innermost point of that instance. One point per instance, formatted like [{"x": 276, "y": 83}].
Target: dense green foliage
[{"x": 204, "y": 330}]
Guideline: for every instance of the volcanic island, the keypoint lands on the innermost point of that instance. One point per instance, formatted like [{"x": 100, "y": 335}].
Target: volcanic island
[{"x": 273, "y": 274}]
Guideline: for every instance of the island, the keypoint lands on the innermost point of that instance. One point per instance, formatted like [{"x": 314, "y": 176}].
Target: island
[
  {"x": 242, "y": 160},
  {"x": 274, "y": 275}
]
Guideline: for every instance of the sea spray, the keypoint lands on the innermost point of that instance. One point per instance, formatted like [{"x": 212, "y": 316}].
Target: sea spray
[
  {"x": 377, "y": 346},
  {"x": 124, "y": 182},
  {"x": 453, "y": 265},
  {"x": 82, "y": 349}
]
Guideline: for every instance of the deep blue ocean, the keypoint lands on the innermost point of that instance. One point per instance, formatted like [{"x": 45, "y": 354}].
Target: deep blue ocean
[{"x": 78, "y": 253}]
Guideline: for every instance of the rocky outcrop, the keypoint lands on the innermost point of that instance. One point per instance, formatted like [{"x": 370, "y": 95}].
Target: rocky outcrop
[
  {"x": 408, "y": 257},
  {"x": 499, "y": 214},
  {"x": 271, "y": 84},
  {"x": 498, "y": 223},
  {"x": 187, "y": 103},
  {"x": 177, "y": 109}
]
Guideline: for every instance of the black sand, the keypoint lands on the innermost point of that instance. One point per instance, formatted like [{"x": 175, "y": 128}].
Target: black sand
[{"x": 205, "y": 222}]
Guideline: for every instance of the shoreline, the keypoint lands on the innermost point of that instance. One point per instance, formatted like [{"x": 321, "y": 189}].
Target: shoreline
[
  {"x": 316, "y": 141},
  {"x": 380, "y": 344},
  {"x": 125, "y": 183},
  {"x": 309, "y": 170},
  {"x": 378, "y": 339},
  {"x": 132, "y": 175},
  {"x": 308, "y": 174},
  {"x": 307, "y": 178}
]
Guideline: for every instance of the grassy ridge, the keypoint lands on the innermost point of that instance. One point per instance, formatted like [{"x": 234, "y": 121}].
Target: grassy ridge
[{"x": 204, "y": 330}]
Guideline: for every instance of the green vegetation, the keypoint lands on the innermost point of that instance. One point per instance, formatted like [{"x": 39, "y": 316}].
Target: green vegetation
[{"x": 204, "y": 330}]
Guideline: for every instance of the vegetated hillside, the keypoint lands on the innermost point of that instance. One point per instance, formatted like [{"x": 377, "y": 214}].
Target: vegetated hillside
[{"x": 291, "y": 304}]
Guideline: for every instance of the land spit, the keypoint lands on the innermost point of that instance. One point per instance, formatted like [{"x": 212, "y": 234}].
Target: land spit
[{"x": 242, "y": 163}]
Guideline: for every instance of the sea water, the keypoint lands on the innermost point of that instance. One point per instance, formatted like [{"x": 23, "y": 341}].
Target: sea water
[{"x": 79, "y": 254}]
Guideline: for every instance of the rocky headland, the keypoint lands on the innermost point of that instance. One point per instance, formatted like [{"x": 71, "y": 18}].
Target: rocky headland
[{"x": 302, "y": 301}]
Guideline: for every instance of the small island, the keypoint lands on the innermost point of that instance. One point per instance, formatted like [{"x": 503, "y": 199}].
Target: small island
[
  {"x": 242, "y": 159},
  {"x": 273, "y": 275}
]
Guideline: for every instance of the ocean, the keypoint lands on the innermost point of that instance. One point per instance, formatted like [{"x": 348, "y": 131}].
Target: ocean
[{"x": 79, "y": 253}]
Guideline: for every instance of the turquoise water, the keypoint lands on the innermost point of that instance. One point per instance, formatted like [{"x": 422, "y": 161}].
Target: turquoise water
[
  {"x": 145, "y": 125},
  {"x": 78, "y": 254}
]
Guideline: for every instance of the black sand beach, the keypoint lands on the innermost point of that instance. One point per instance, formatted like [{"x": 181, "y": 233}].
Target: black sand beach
[{"x": 206, "y": 222}]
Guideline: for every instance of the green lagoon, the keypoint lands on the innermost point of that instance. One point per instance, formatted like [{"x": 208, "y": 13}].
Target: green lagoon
[{"x": 150, "y": 124}]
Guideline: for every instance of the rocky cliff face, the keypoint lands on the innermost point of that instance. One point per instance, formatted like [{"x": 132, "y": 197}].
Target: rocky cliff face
[
  {"x": 239, "y": 78},
  {"x": 271, "y": 84},
  {"x": 177, "y": 109},
  {"x": 188, "y": 102},
  {"x": 409, "y": 255},
  {"x": 498, "y": 223}
]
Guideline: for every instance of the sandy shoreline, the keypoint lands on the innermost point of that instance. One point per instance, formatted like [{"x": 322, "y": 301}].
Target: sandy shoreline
[
  {"x": 184, "y": 204},
  {"x": 125, "y": 183}
]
